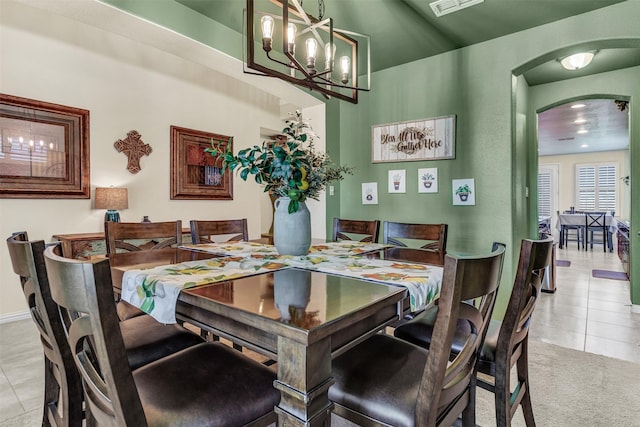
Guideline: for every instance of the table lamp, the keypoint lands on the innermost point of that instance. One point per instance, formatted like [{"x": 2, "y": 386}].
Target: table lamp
[{"x": 111, "y": 199}]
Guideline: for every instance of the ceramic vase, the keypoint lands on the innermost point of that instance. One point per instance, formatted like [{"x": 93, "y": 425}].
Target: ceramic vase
[{"x": 291, "y": 231}]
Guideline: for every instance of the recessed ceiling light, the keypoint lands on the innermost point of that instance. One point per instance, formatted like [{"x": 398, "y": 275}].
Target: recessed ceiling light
[
  {"x": 577, "y": 61},
  {"x": 578, "y": 121},
  {"x": 584, "y": 146},
  {"x": 578, "y": 106},
  {"x": 583, "y": 131}
]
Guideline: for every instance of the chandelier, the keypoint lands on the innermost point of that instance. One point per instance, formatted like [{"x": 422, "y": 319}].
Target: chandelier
[{"x": 283, "y": 41}]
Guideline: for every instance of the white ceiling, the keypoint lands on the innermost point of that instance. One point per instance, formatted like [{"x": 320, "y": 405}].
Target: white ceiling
[{"x": 607, "y": 128}]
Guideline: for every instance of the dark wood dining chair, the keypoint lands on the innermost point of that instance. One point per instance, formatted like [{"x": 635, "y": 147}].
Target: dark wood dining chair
[
  {"x": 572, "y": 232},
  {"x": 596, "y": 225},
  {"x": 234, "y": 229},
  {"x": 351, "y": 229},
  {"x": 62, "y": 384},
  {"x": 209, "y": 384},
  {"x": 506, "y": 342},
  {"x": 145, "y": 340},
  {"x": 137, "y": 236},
  {"x": 430, "y": 237},
  {"x": 388, "y": 381}
]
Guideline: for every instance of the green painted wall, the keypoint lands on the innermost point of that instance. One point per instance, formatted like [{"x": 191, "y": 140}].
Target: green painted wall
[
  {"x": 624, "y": 84},
  {"x": 475, "y": 83}
]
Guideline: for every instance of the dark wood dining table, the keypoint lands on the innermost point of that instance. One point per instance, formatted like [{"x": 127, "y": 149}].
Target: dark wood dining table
[{"x": 339, "y": 312}]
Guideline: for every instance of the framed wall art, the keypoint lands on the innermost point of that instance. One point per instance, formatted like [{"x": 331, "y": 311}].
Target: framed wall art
[
  {"x": 427, "y": 139},
  {"x": 369, "y": 193},
  {"x": 464, "y": 191},
  {"x": 428, "y": 180},
  {"x": 196, "y": 175},
  {"x": 44, "y": 151},
  {"x": 397, "y": 181}
]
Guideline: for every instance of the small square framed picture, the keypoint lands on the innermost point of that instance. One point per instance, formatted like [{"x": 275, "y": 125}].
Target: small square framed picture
[
  {"x": 397, "y": 181},
  {"x": 428, "y": 180},
  {"x": 369, "y": 193},
  {"x": 464, "y": 191}
]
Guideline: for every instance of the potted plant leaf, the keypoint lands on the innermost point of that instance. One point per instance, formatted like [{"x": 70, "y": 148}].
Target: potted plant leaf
[{"x": 463, "y": 192}]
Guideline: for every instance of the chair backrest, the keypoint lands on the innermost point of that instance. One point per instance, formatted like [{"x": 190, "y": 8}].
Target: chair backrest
[
  {"x": 83, "y": 292},
  {"x": 136, "y": 236},
  {"x": 202, "y": 231},
  {"x": 63, "y": 387},
  {"x": 347, "y": 229},
  {"x": 445, "y": 387},
  {"x": 535, "y": 256},
  {"x": 595, "y": 219},
  {"x": 435, "y": 236}
]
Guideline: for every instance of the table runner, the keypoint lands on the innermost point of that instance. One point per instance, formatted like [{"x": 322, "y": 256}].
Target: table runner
[
  {"x": 242, "y": 248},
  {"x": 155, "y": 290}
]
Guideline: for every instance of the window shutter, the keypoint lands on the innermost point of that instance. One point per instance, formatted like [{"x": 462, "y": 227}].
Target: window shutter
[
  {"x": 596, "y": 187},
  {"x": 544, "y": 194}
]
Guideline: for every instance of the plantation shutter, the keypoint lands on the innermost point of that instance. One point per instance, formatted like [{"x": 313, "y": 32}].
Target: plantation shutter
[
  {"x": 544, "y": 193},
  {"x": 596, "y": 187}
]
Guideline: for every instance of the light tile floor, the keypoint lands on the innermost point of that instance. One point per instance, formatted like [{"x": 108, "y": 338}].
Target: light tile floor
[{"x": 585, "y": 314}]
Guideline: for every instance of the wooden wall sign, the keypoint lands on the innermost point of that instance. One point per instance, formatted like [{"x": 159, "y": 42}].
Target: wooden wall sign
[
  {"x": 428, "y": 139},
  {"x": 134, "y": 148},
  {"x": 194, "y": 173}
]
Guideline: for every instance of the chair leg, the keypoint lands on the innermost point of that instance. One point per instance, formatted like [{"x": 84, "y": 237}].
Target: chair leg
[
  {"x": 522, "y": 367},
  {"x": 469, "y": 413}
]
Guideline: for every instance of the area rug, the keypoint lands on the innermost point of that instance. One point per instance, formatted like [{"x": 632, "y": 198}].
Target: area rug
[
  {"x": 608, "y": 274},
  {"x": 569, "y": 388},
  {"x": 563, "y": 263}
]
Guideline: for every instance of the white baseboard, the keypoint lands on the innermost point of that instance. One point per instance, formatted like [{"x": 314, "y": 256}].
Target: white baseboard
[
  {"x": 635, "y": 308},
  {"x": 14, "y": 317}
]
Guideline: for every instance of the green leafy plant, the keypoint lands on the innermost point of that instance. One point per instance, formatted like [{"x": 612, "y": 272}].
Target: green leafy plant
[
  {"x": 291, "y": 168},
  {"x": 463, "y": 189},
  {"x": 428, "y": 177}
]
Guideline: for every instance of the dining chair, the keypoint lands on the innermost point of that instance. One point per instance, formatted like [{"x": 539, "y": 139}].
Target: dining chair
[
  {"x": 145, "y": 339},
  {"x": 62, "y": 404},
  {"x": 577, "y": 230},
  {"x": 233, "y": 229},
  {"x": 506, "y": 342},
  {"x": 208, "y": 384},
  {"x": 137, "y": 236},
  {"x": 388, "y": 381},
  {"x": 596, "y": 225},
  {"x": 350, "y": 229},
  {"x": 431, "y": 237}
]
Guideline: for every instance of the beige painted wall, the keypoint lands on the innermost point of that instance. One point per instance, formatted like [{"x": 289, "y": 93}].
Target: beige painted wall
[
  {"x": 126, "y": 85},
  {"x": 567, "y": 176}
]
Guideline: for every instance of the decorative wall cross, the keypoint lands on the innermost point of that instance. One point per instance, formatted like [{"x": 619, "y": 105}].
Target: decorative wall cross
[{"x": 134, "y": 148}]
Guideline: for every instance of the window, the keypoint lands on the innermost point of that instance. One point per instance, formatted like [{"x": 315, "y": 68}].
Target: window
[
  {"x": 544, "y": 193},
  {"x": 596, "y": 187}
]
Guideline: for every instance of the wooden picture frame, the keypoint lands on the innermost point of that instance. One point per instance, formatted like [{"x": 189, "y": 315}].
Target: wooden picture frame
[
  {"x": 44, "y": 151},
  {"x": 416, "y": 140},
  {"x": 196, "y": 175}
]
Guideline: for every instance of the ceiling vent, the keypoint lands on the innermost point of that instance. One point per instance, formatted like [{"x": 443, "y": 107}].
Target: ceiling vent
[
  {"x": 443, "y": 7},
  {"x": 571, "y": 138}
]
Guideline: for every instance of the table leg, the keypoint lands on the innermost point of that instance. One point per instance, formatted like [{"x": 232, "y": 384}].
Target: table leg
[
  {"x": 561, "y": 237},
  {"x": 304, "y": 378}
]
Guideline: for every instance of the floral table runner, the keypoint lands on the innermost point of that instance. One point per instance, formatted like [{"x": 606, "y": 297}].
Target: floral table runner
[{"x": 155, "y": 290}]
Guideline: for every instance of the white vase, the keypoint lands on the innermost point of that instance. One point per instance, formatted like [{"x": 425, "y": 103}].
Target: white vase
[{"x": 291, "y": 231}]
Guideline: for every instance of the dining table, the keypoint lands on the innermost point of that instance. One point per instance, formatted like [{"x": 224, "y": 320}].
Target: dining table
[
  {"x": 580, "y": 220},
  {"x": 299, "y": 311}
]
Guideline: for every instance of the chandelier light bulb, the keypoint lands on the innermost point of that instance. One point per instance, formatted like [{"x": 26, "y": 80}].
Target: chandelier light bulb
[
  {"x": 267, "y": 25},
  {"x": 291, "y": 38},
  {"x": 312, "y": 51},
  {"x": 329, "y": 54},
  {"x": 345, "y": 65}
]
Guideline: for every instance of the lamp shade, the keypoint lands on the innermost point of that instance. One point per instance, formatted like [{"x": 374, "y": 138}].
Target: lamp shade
[{"x": 111, "y": 198}]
